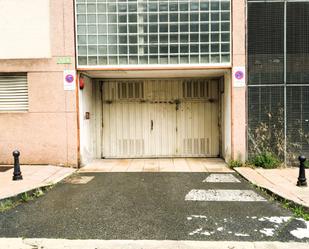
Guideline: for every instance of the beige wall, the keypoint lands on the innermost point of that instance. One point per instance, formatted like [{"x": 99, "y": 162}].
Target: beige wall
[
  {"x": 24, "y": 29},
  {"x": 87, "y": 126},
  {"x": 47, "y": 134},
  {"x": 239, "y": 93}
]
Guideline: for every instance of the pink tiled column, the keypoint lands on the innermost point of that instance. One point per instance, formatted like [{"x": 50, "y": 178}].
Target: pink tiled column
[{"x": 238, "y": 93}]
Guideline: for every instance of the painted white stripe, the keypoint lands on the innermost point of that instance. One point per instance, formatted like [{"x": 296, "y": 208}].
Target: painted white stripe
[
  {"x": 221, "y": 178},
  {"x": 223, "y": 195}
]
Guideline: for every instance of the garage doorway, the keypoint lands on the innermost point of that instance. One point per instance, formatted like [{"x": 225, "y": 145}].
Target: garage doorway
[{"x": 160, "y": 118}]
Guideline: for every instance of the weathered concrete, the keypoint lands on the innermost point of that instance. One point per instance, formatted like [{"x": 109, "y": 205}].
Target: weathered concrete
[{"x": 19, "y": 243}]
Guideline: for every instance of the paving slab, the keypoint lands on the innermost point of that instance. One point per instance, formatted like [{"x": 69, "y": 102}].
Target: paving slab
[
  {"x": 19, "y": 243},
  {"x": 158, "y": 165},
  {"x": 281, "y": 182},
  {"x": 33, "y": 177}
]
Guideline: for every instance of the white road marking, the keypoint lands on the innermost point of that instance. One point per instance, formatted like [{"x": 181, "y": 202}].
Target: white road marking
[
  {"x": 242, "y": 235},
  {"x": 268, "y": 231},
  {"x": 206, "y": 233},
  {"x": 301, "y": 233},
  {"x": 221, "y": 178},
  {"x": 196, "y": 216},
  {"x": 275, "y": 219},
  {"x": 223, "y": 195},
  {"x": 274, "y": 223},
  {"x": 197, "y": 231},
  {"x": 220, "y": 229}
]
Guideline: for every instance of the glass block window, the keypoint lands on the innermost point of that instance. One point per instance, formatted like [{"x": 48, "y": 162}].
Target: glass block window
[{"x": 142, "y": 32}]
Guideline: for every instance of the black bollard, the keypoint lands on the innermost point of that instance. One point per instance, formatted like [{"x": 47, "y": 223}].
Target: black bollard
[
  {"x": 17, "y": 173},
  {"x": 302, "y": 182}
]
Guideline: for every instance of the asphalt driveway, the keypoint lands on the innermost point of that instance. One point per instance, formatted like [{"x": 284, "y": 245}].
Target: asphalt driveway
[{"x": 153, "y": 206}]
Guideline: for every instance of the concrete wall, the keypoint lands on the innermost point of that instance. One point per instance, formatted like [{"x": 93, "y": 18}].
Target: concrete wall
[
  {"x": 239, "y": 124},
  {"x": 24, "y": 29},
  {"x": 47, "y": 133}
]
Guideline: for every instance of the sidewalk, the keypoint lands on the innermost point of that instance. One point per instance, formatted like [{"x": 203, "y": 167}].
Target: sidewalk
[
  {"x": 281, "y": 182},
  {"x": 18, "y": 243},
  {"x": 33, "y": 177}
]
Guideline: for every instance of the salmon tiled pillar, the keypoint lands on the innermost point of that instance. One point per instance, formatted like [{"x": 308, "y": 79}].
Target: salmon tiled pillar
[{"x": 238, "y": 90}]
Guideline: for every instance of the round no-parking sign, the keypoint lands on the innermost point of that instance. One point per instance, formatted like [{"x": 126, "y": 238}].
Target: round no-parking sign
[
  {"x": 239, "y": 77},
  {"x": 69, "y": 80}
]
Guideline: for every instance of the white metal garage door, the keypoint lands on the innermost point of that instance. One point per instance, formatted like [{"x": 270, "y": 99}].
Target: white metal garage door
[{"x": 160, "y": 118}]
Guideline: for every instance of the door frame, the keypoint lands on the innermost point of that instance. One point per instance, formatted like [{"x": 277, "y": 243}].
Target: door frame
[{"x": 100, "y": 113}]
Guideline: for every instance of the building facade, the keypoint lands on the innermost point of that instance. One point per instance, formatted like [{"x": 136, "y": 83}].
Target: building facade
[{"x": 88, "y": 79}]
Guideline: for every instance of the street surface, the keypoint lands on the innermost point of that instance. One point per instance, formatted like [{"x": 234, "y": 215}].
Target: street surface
[{"x": 154, "y": 206}]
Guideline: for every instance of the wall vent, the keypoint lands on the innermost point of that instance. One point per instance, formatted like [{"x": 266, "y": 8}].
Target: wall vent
[
  {"x": 195, "y": 89},
  {"x": 13, "y": 93},
  {"x": 130, "y": 90}
]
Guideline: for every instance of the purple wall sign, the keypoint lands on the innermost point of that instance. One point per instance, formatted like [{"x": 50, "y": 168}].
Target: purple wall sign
[
  {"x": 69, "y": 78},
  {"x": 239, "y": 75}
]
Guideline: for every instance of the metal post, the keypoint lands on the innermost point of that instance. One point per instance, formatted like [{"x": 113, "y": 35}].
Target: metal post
[
  {"x": 285, "y": 80},
  {"x": 302, "y": 182},
  {"x": 17, "y": 173}
]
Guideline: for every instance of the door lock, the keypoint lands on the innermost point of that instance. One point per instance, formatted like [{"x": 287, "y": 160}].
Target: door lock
[{"x": 177, "y": 102}]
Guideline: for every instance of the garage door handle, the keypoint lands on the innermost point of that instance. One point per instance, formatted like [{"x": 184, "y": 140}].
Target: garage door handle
[{"x": 151, "y": 125}]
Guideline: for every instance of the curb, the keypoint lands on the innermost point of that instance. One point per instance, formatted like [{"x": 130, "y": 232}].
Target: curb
[
  {"x": 275, "y": 195},
  {"x": 30, "y": 192}
]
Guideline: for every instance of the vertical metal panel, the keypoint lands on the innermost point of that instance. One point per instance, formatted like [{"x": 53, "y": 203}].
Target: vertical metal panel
[
  {"x": 265, "y": 43},
  {"x": 13, "y": 93},
  {"x": 282, "y": 108},
  {"x": 167, "y": 117},
  {"x": 297, "y": 31},
  {"x": 266, "y": 77}
]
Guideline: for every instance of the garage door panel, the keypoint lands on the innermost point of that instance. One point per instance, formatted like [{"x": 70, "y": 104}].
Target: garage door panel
[
  {"x": 123, "y": 134},
  {"x": 194, "y": 132},
  {"x": 163, "y": 134}
]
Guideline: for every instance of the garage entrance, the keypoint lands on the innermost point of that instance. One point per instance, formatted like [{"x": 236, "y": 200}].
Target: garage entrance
[{"x": 160, "y": 118}]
